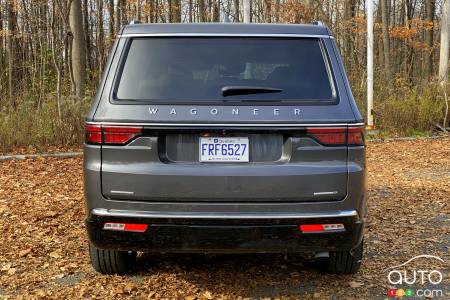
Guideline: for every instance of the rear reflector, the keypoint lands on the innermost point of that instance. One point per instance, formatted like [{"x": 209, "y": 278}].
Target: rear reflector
[
  {"x": 311, "y": 228},
  {"x": 116, "y": 135},
  {"x": 353, "y": 136},
  {"x": 125, "y": 227}
]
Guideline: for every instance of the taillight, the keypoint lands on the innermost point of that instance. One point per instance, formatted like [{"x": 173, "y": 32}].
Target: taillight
[
  {"x": 119, "y": 135},
  {"x": 93, "y": 134},
  {"x": 355, "y": 136},
  {"x": 116, "y": 135},
  {"x": 329, "y": 136},
  {"x": 337, "y": 136}
]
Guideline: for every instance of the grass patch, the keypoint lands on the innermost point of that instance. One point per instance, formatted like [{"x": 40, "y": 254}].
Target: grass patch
[
  {"x": 40, "y": 127},
  {"x": 402, "y": 110}
]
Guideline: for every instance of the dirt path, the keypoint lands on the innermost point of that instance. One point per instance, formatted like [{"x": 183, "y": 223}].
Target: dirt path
[{"x": 43, "y": 252}]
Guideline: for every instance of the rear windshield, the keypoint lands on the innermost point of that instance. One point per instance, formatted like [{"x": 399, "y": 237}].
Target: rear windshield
[{"x": 200, "y": 69}]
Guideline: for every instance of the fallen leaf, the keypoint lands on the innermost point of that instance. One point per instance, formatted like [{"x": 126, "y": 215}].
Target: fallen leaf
[
  {"x": 12, "y": 271},
  {"x": 24, "y": 252},
  {"x": 129, "y": 288},
  {"x": 355, "y": 284},
  {"x": 119, "y": 290},
  {"x": 54, "y": 254},
  {"x": 6, "y": 267}
]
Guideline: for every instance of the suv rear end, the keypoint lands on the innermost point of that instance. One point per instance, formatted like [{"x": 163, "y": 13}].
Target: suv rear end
[{"x": 224, "y": 138}]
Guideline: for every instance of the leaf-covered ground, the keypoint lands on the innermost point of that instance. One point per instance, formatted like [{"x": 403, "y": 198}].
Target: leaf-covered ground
[{"x": 43, "y": 246}]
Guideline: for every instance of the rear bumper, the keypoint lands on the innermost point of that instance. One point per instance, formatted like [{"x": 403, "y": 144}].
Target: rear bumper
[{"x": 233, "y": 233}]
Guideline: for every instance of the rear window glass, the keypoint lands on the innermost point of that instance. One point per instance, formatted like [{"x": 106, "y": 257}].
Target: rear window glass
[{"x": 198, "y": 69}]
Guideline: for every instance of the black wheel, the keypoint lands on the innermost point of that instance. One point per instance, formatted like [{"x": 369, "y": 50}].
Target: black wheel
[
  {"x": 111, "y": 261},
  {"x": 345, "y": 262}
]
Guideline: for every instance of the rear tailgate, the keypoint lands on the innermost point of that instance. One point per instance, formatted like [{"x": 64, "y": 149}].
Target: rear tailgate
[
  {"x": 284, "y": 165},
  {"x": 174, "y": 96}
]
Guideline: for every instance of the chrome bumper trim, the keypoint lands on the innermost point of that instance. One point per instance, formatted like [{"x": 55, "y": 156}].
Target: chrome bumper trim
[{"x": 239, "y": 216}]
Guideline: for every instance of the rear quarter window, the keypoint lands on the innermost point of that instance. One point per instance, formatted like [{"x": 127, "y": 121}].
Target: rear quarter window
[{"x": 188, "y": 70}]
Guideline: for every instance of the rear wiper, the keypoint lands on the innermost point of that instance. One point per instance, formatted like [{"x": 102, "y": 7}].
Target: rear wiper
[{"x": 233, "y": 90}]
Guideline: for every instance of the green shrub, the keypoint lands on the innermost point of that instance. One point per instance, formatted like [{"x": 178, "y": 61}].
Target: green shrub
[
  {"x": 410, "y": 112},
  {"x": 28, "y": 125},
  {"x": 401, "y": 109}
]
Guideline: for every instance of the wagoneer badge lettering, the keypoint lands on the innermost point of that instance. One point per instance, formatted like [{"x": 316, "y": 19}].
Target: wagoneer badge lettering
[{"x": 233, "y": 111}]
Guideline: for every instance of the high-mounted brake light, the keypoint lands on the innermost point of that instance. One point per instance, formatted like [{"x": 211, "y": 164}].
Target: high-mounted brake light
[
  {"x": 337, "y": 135},
  {"x": 125, "y": 227},
  {"x": 118, "y": 135},
  {"x": 314, "y": 228}
]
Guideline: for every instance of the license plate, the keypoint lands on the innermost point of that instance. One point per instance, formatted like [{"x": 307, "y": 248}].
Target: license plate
[{"x": 224, "y": 149}]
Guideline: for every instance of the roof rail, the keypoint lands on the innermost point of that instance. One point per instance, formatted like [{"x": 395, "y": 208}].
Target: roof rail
[
  {"x": 318, "y": 23},
  {"x": 133, "y": 22}
]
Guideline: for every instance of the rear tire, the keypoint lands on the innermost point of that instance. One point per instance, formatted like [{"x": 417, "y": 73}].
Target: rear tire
[
  {"x": 345, "y": 262},
  {"x": 111, "y": 261}
]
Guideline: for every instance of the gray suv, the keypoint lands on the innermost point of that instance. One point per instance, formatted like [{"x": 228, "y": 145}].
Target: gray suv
[{"x": 224, "y": 138}]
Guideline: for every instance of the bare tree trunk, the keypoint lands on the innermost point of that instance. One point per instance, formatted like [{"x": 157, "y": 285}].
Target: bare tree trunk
[
  {"x": 117, "y": 18},
  {"x": 78, "y": 48},
  {"x": 216, "y": 11},
  {"x": 138, "y": 10},
  {"x": 1, "y": 51},
  {"x": 100, "y": 37},
  {"x": 386, "y": 41},
  {"x": 57, "y": 63},
  {"x": 428, "y": 58},
  {"x": 87, "y": 36},
  {"x": 349, "y": 13},
  {"x": 191, "y": 11},
  {"x": 11, "y": 50},
  {"x": 444, "y": 56},
  {"x": 174, "y": 11},
  {"x": 169, "y": 11},
  {"x": 153, "y": 4},
  {"x": 445, "y": 35},
  {"x": 247, "y": 11},
  {"x": 268, "y": 14},
  {"x": 123, "y": 12},
  {"x": 236, "y": 10},
  {"x": 112, "y": 27},
  {"x": 201, "y": 10}
]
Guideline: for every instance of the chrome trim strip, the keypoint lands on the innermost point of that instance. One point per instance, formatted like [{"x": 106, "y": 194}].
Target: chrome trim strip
[
  {"x": 325, "y": 193},
  {"x": 230, "y": 124},
  {"x": 122, "y": 193},
  {"x": 193, "y": 34},
  {"x": 172, "y": 215}
]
